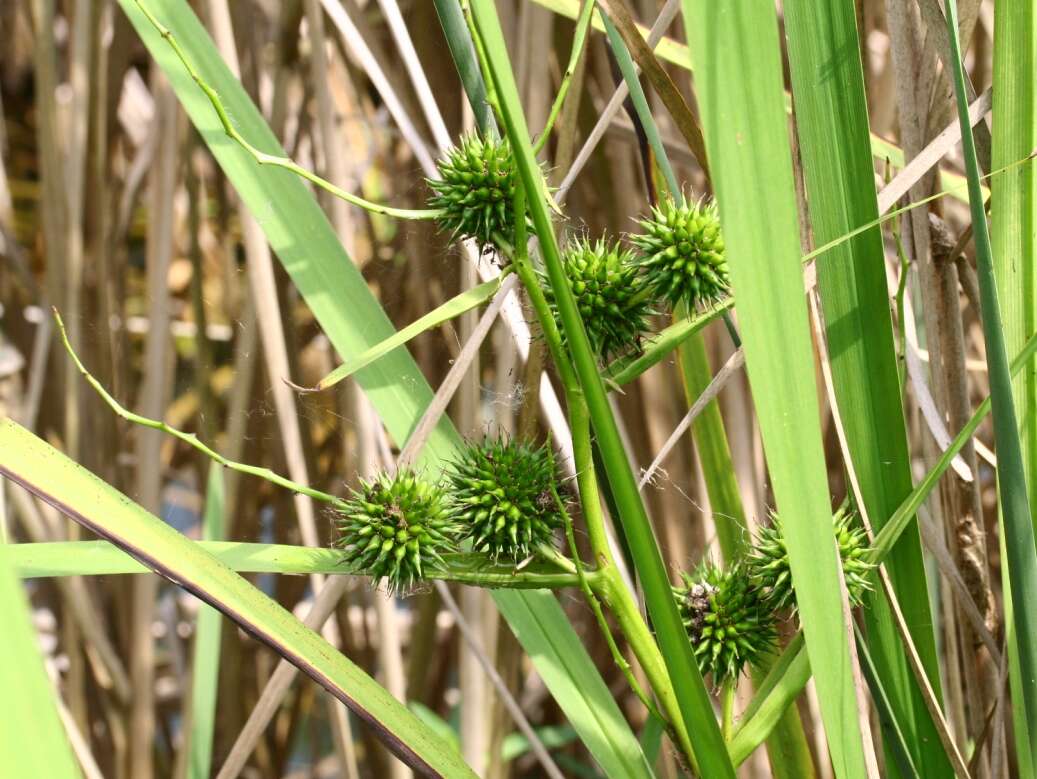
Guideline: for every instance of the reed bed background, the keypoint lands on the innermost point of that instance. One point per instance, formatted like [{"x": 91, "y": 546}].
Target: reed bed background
[{"x": 197, "y": 287}]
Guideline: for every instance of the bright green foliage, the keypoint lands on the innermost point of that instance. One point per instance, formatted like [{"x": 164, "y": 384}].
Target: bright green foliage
[
  {"x": 502, "y": 497},
  {"x": 727, "y": 620},
  {"x": 396, "y": 528},
  {"x": 476, "y": 190},
  {"x": 769, "y": 562},
  {"x": 685, "y": 259},
  {"x": 610, "y": 294}
]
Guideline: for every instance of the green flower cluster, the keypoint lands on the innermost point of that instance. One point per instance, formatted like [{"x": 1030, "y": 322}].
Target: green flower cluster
[
  {"x": 769, "y": 561},
  {"x": 476, "y": 190},
  {"x": 502, "y": 495},
  {"x": 684, "y": 259},
  {"x": 680, "y": 260},
  {"x": 610, "y": 293},
  {"x": 396, "y": 528},
  {"x": 727, "y": 620},
  {"x": 731, "y": 615},
  {"x": 497, "y": 495}
]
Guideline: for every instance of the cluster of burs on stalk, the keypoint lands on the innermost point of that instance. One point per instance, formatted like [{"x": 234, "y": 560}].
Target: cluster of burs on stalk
[{"x": 500, "y": 498}]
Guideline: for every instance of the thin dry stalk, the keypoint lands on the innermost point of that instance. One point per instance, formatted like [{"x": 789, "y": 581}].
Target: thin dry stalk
[{"x": 154, "y": 398}]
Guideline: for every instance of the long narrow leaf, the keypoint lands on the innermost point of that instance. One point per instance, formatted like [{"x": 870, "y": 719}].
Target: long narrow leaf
[
  {"x": 32, "y": 739},
  {"x": 737, "y": 64},
  {"x": 97, "y": 558},
  {"x": 79, "y": 494},
  {"x": 465, "y": 301},
  {"x": 205, "y": 657},
  {"x": 1013, "y": 221},
  {"x": 451, "y": 19},
  {"x": 1017, "y": 524},
  {"x": 568, "y": 666},
  {"x": 832, "y": 123}
]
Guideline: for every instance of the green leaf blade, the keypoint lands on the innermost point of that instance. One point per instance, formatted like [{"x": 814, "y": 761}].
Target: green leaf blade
[
  {"x": 735, "y": 56},
  {"x": 1017, "y": 523},
  {"x": 32, "y": 739},
  {"x": 76, "y": 492},
  {"x": 832, "y": 123},
  {"x": 205, "y": 660}
]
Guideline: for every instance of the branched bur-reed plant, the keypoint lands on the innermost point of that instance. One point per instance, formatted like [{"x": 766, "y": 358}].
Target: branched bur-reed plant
[
  {"x": 496, "y": 508},
  {"x": 493, "y": 516}
]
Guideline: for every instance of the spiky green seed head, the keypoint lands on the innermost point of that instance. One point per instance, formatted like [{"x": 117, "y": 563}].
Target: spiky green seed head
[
  {"x": 769, "y": 561},
  {"x": 726, "y": 619},
  {"x": 396, "y": 528},
  {"x": 610, "y": 294},
  {"x": 684, "y": 253},
  {"x": 476, "y": 190},
  {"x": 502, "y": 498}
]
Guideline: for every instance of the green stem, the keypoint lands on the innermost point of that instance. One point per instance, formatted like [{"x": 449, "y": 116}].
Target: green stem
[
  {"x": 476, "y": 573},
  {"x": 693, "y": 703},
  {"x": 599, "y": 615},
  {"x": 611, "y": 587},
  {"x": 579, "y": 38},
  {"x": 728, "y": 701},
  {"x": 263, "y": 158},
  {"x": 189, "y": 438}
]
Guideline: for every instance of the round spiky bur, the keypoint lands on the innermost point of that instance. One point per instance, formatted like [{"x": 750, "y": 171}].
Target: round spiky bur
[
  {"x": 769, "y": 562},
  {"x": 396, "y": 528},
  {"x": 501, "y": 497},
  {"x": 684, "y": 253},
  {"x": 476, "y": 189},
  {"x": 726, "y": 620},
  {"x": 610, "y": 294}
]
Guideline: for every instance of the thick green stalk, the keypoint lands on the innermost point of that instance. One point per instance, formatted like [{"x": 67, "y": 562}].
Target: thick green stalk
[
  {"x": 612, "y": 590},
  {"x": 610, "y": 587},
  {"x": 1016, "y": 520},
  {"x": 696, "y": 708},
  {"x": 832, "y": 123}
]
